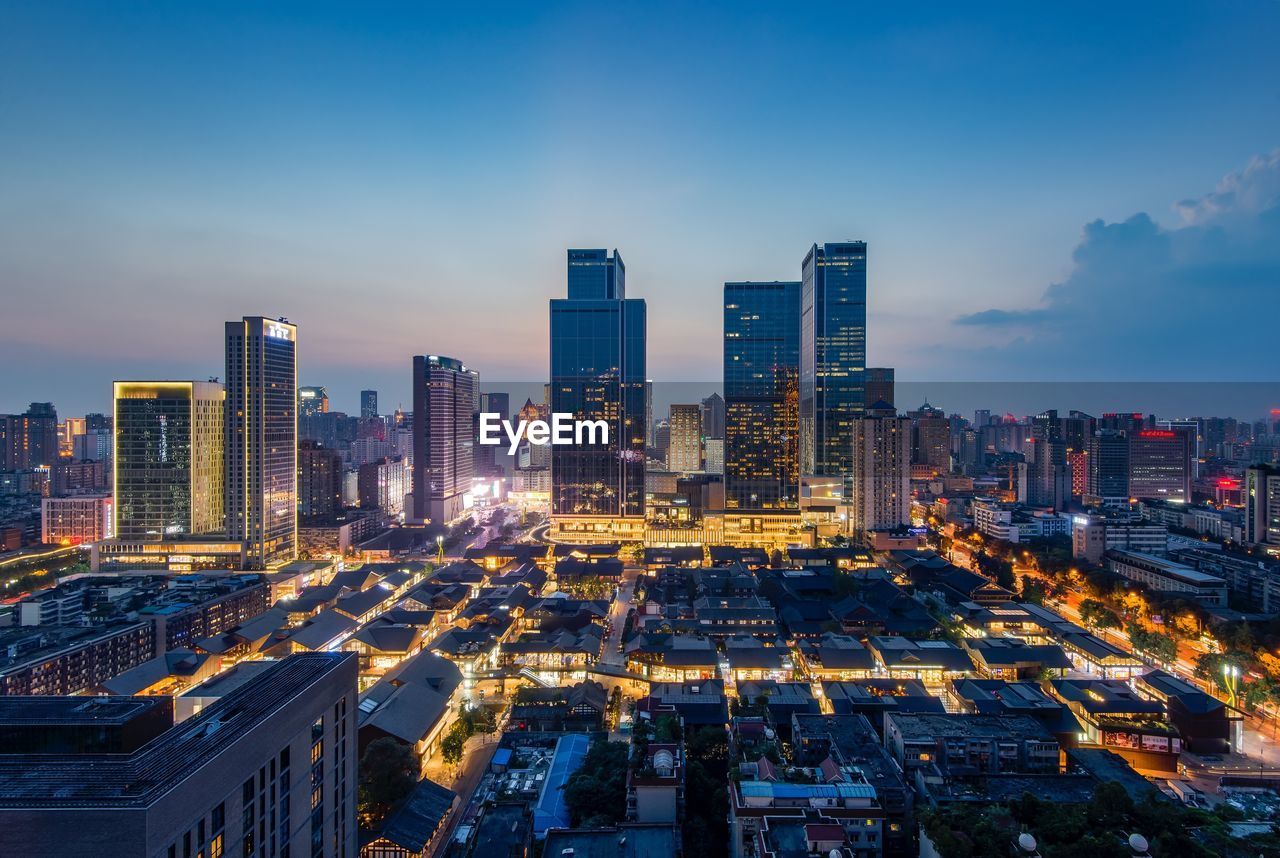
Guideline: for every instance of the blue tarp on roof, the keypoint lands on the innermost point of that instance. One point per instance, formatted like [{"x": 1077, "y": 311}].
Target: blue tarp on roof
[{"x": 550, "y": 811}]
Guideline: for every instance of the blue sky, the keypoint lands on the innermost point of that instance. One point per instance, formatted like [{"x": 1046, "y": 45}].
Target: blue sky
[{"x": 404, "y": 178}]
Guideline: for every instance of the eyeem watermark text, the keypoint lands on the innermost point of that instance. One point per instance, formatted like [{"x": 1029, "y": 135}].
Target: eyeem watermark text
[{"x": 563, "y": 429}]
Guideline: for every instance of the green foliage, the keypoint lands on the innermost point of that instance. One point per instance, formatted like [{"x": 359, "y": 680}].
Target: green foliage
[
  {"x": 596, "y": 794},
  {"x": 1157, "y": 645},
  {"x": 388, "y": 772},
  {"x": 1097, "y": 615}
]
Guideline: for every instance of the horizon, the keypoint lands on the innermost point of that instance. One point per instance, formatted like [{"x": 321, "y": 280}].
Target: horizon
[{"x": 417, "y": 193}]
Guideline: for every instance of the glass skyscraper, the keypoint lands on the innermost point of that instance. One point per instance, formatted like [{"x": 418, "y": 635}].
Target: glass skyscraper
[
  {"x": 168, "y": 459},
  {"x": 262, "y": 438},
  {"x": 761, "y": 396},
  {"x": 833, "y": 356},
  {"x": 598, "y": 373}
]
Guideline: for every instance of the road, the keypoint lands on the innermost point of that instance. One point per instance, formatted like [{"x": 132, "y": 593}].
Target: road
[
  {"x": 475, "y": 762},
  {"x": 623, "y": 601}
]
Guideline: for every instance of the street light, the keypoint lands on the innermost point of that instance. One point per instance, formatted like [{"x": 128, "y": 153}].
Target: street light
[{"x": 439, "y": 548}]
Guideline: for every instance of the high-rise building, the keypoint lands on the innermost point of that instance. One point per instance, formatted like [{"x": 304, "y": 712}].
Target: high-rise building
[
  {"x": 1050, "y": 479},
  {"x": 382, "y": 485},
  {"x": 685, "y": 451},
  {"x": 713, "y": 455},
  {"x": 880, "y": 386},
  {"x": 1108, "y": 452},
  {"x": 485, "y": 457},
  {"x": 981, "y": 417},
  {"x": 169, "y": 459},
  {"x": 443, "y": 405},
  {"x": 261, "y": 434},
  {"x": 761, "y": 395},
  {"x": 312, "y": 401},
  {"x": 931, "y": 438},
  {"x": 713, "y": 417},
  {"x": 833, "y": 356},
  {"x": 1160, "y": 464},
  {"x": 29, "y": 440},
  {"x": 320, "y": 472},
  {"x": 598, "y": 373},
  {"x": 94, "y": 444},
  {"x": 368, "y": 403},
  {"x": 75, "y": 520},
  {"x": 267, "y": 769},
  {"x": 1262, "y": 506},
  {"x": 881, "y": 497},
  {"x": 662, "y": 438}
]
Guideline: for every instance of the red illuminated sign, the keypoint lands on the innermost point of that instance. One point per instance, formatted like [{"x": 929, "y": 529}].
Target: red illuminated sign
[{"x": 1157, "y": 433}]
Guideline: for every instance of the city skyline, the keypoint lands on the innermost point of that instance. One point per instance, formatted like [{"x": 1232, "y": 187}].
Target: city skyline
[{"x": 1022, "y": 164}]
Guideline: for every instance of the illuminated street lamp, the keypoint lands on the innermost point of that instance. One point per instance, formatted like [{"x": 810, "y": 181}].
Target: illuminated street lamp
[
  {"x": 439, "y": 548},
  {"x": 1231, "y": 676}
]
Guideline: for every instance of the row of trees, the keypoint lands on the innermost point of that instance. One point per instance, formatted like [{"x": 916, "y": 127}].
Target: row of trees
[{"x": 470, "y": 722}]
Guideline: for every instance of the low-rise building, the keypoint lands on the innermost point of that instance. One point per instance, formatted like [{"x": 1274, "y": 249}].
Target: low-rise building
[{"x": 1168, "y": 576}]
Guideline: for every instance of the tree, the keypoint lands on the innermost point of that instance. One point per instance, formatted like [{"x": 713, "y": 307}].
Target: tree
[
  {"x": 388, "y": 773},
  {"x": 596, "y": 794},
  {"x": 1097, "y": 615},
  {"x": 452, "y": 744}
]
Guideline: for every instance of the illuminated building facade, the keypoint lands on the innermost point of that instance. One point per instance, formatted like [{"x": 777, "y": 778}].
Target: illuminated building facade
[
  {"x": 881, "y": 497},
  {"x": 598, "y": 373},
  {"x": 1262, "y": 506},
  {"x": 443, "y": 402},
  {"x": 368, "y": 404},
  {"x": 1160, "y": 464},
  {"x": 262, "y": 438},
  {"x": 761, "y": 391},
  {"x": 168, "y": 465},
  {"x": 320, "y": 473},
  {"x": 684, "y": 450},
  {"x": 833, "y": 356},
  {"x": 312, "y": 401}
]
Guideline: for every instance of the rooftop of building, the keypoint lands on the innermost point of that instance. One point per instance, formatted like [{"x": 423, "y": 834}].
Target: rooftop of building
[
  {"x": 628, "y": 840},
  {"x": 137, "y": 779},
  {"x": 931, "y": 726}
]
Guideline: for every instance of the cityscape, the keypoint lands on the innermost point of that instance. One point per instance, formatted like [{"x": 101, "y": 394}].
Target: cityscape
[{"x": 871, "y": 591}]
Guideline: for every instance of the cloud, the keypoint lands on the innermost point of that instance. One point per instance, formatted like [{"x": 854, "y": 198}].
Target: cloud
[{"x": 1144, "y": 301}]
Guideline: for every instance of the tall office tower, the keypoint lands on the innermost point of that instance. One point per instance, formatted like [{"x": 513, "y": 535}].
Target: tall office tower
[
  {"x": 96, "y": 421},
  {"x": 368, "y": 403},
  {"x": 1050, "y": 479},
  {"x": 261, "y": 433},
  {"x": 762, "y": 396},
  {"x": 833, "y": 356},
  {"x": 533, "y": 455},
  {"x": 1077, "y": 429},
  {"x": 29, "y": 440},
  {"x": 169, "y": 469},
  {"x": 713, "y": 417},
  {"x": 1262, "y": 506},
  {"x": 320, "y": 472},
  {"x": 931, "y": 438},
  {"x": 972, "y": 455},
  {"x": 1078, "y": 466},
  {"x": 267, "y": 769},
  {"x": 685, "y": 452},
  {"x": 1191, "y": 426},
  {"x": 662, "y": 439},
  {"x": 881, "y": 498},
  {"x": 1047, "y": 426},
  {"x": 496, "y": 403},
  {"x": 443, "y": 404},
  {"x": 648, "y": 411},
  {"x": 598, "y": 373},
  {"x": 880, "y": 386},
  {"x": 1160, "y": 464},
  {"x": 312, "y": 401},
  {"x": 1108, "y": 453},
  {"x": 713, "y": 455},
  {"x": 981, "y": 418}
]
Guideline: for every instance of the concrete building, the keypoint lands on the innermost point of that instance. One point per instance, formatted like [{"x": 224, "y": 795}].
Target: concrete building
[
  {"x": 1262, "y": 507},
  {"x": 443, "y": 394},
  {"x": 75, "y": 520},
  {"x": 267, "y": 769},
  {"x": 684, "y": 452},
  {"x": 1168, "y": 576},
  {"x": 881, "y": 496}
]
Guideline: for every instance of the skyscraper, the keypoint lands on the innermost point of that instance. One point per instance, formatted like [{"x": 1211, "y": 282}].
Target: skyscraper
[
  {"x": 261, "y": 433},
  {"x": 1262, "y": 506},
  {"x": 598, "y": 373},
  {"x": 880, "y": 386},
  {"x": 368, "y": 403},
  {"x": 443, "y": 403},
  {"x": 881, "y": 497},
  {"x": 312, "y": 401},
  {"x": 685, "y": 450},
  {"x": 833, "y": 356},
  {"x": 713, "y": 416},
  {"x": 931, "y": 438},
  {"x": 761, "y": 394},
  {"x": 1160, "y": 464},
  {"x": 1108, "y": 453},
  {"x": 29, "y": 440},
  {"x": 169, "y": 468},
  {"x": 320, "y": 475}
]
